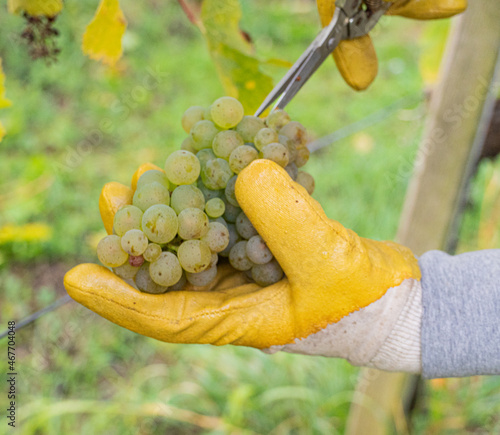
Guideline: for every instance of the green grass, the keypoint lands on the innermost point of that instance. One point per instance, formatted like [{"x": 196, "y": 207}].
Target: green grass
[{"x": 81, "y": 374}]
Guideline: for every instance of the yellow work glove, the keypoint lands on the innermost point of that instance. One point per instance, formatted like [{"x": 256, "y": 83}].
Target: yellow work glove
[
  {"x": 330, "y": 273},
  {"x": 356, "y": 59}
]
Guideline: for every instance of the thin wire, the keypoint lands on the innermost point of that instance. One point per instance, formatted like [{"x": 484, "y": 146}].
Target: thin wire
[
  {"x": 35, "y": 316},
  {"x": 362, "y": 124}
]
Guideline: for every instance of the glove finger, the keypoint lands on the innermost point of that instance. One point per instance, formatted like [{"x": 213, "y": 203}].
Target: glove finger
[
  {"x": 143, "y": 168},
  {"x": 326, "y": 9},
  {"x": 357, "y": 62},
  {"x": 113, "y": 196},
  {"x": 356, "y": 59},
  {"x": 428, "y": 9},
  {"x": 244, "y": 315},
  {"x": 294, "y": 226}
]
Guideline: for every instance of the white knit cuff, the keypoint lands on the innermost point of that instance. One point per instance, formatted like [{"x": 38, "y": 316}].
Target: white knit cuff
[
  {"x": 401, "y": 351},
  {"x": 383, "y": 335}
]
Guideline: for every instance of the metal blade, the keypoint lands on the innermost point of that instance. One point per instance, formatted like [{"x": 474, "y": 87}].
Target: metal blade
[{"x": 308, "y": 62}]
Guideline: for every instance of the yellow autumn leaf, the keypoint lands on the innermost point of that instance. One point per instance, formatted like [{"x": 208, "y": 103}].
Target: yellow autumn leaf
[
  {"x": 433, "y": 44},
  {"x": 103, "y": 36},
  {"x": 2, "y": 131},
  {"x": 4, "y": 102},
  {"x": 37, "y": 8},
  {"x": 35, "y": 232}
]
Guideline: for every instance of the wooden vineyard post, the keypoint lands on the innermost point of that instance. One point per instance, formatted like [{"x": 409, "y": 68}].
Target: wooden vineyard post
[{"x": 459, "y": 116}]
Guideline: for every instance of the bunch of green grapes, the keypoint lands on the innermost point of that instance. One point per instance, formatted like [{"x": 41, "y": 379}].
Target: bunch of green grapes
[{"x": 184, "y": 220}]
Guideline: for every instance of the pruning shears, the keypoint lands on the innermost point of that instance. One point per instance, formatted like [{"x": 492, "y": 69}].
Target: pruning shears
[{"x": 351, "y": 19}]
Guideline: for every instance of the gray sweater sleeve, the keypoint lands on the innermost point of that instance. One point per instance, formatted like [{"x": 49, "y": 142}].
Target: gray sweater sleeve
[{"x": 461, "y": 314}]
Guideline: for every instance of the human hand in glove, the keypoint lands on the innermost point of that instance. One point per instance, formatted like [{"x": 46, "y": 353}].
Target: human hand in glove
[
  {"x": 343, "y": 296},
  {"x": 356, "y": 59}
]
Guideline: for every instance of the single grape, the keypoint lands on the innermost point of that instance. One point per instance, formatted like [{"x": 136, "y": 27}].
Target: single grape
[
  {"x": 230, "y": 193},
  {"x": 214, "y": 259},
  {"x": 292, "y": 170},
  {"x": 232, "y": 212},
  {"x": 151, "y": 194},
  {"x": 265, "y": 137},
  {"x": 187, "y": 196},
  {"x": 180, "y": 284},
  {"x": 241, "y": 157},
  {"x": 302, "y": 156},
  {"x": 153, "y": 176},
  {"x": 220, "y": 220},
  {"x": 216, "y": 174},
  {"x": 126, "y": 271},
  {"x": 182, "y": 167},
  {"x": 145, "y": 283},
  {"x": 244, "y": 226},
  {"x": 203, "y": 133},
  {"x": 238, "y": 257},
  {"x": 290, "y": 146},
  {"x": 233, "y": 239},
  {"x": 276, "y": 152},
  {"x": 226, "y": 112},
  {"x": 225, "y": 142},
  {"x": 160, "y": 223},
  {"x": 296, "y": 132},
  {"x": 166, "y": 270},
  {"x": 217, "y": 237},
  {"x": 215, "y": 207},
  {"x": 193, "y": 223},
  {"x": 152, "y": 252},
  {"x": 257, "y": 250},
  {"x": 127, "y": 218},
  {"x": 203, "y": 278},
  {"x": 277, "y": 119},
  {"x": 110, "y": 252},
  {"x": 307, "y": 181},
  {"x": 194, "y": 256},
  {"x": 136, "y": 261},
  {"x": 267, "y": 274},
  {"x": 205, "y": 155},
  {"x": 134, "y": 242},
  {"x": 249, "y": 127},
  {"x": 191, "y": 117},
  {"x": 206, "y": 114},
  {"x": 188, "y": 145},
  {"x": 209, "y": 193}
]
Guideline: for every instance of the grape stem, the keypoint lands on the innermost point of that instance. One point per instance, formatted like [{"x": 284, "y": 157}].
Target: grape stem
[
  {"x": 190, "y": 13},
  {"x": 172, "y": 247}
]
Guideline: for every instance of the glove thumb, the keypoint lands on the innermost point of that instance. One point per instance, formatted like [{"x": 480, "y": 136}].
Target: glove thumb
[{"x": 293, "y": 224}]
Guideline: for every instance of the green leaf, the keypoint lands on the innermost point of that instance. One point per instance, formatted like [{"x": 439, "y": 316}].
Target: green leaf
[
  {"x": 281, "y": 63},
  {"x": 221, "y": 21},
  {"x": 239, "y": 70}
]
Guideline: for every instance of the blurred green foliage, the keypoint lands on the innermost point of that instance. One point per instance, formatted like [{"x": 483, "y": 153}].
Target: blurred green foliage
[{"x": 76, "y": 125}]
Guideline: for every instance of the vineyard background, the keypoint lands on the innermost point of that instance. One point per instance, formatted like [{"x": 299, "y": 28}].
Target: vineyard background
[{"x": 78, "y": 372}]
